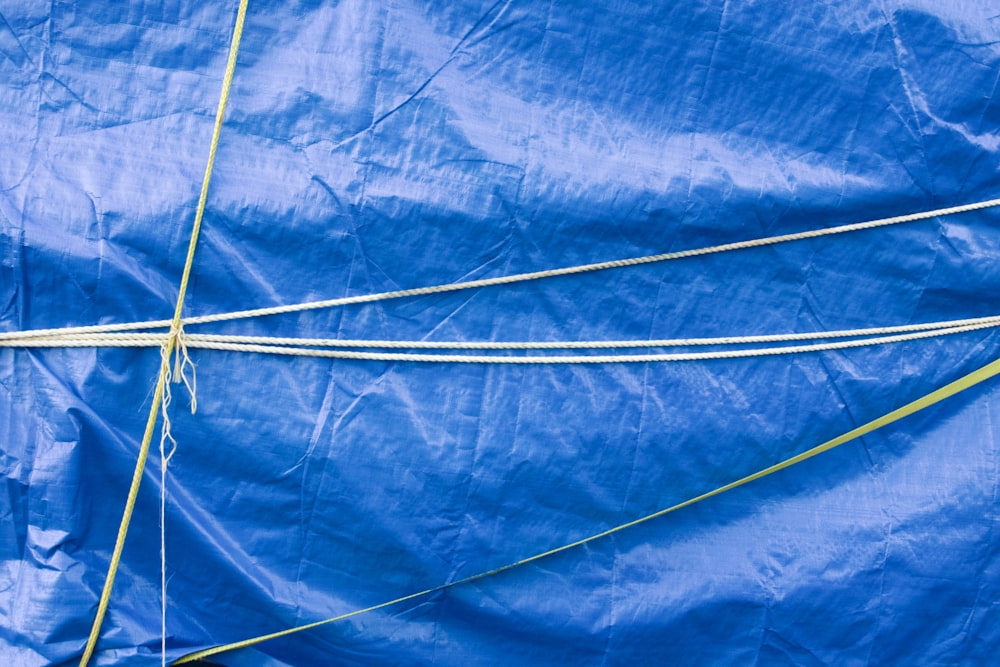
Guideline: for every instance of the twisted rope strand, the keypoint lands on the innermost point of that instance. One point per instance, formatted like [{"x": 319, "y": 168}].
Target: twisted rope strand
[
  {"x": 599, "y": 266},
  {"x": 583, "y": 359},
  {"x": 196, "y": 340},
  {"x": 313, "y": 346}
]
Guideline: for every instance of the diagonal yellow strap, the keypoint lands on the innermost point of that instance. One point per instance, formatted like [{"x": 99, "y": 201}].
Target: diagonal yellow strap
[
  {"x": 935, "y": 396},
  {"x": 171, "y": 343}
]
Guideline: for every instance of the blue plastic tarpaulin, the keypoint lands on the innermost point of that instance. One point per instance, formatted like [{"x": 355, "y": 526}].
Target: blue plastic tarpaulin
[{"x": 370, "y": 147}]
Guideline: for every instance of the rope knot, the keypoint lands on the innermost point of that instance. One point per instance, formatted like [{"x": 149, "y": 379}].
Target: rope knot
[{"x": 182, "y": 363}]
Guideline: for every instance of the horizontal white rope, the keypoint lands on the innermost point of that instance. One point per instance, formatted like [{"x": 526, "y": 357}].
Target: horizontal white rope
[
  {"x": 991, "y": 320},
  {"x": 225, "y": 343},
  {"x": 83, "y": 330},
  {"x": 91, "y": 340},
  {"x": 599, "y": 266},
  {"x": 589, "y": 359},
  {"x": 505, "y": 280},
  {"x": 202, "y": 340}
]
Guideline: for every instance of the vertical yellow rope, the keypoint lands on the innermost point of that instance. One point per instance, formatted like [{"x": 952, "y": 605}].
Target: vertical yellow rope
[{"x": 171, "y": 343}]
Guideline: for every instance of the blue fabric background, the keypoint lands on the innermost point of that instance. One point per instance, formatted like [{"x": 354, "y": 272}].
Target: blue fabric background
[{"x": 372, "y": 146}]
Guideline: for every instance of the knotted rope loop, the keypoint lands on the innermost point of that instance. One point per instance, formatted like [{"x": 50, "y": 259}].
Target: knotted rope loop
[{"x": 177, "y": 341}]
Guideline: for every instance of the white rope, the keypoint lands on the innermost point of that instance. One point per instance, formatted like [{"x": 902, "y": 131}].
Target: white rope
[
  {"x": 203, "y": 340},
  {"x": 991, "y": 320},
  {"x": 89, "y": 329},
  {"x": 600, "y": 266},
  {"x": 88, "y": 340},
  {"x": 504, "y": 280},
  {"x": 588, "y": 359}
]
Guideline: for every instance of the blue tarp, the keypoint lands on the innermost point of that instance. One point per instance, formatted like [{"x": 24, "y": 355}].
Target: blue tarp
[{"x": 376, "y": 146}]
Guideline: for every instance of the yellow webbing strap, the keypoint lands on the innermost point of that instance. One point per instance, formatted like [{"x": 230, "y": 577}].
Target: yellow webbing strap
[
  {"x": 935, "y": 396},
  {"x": 171, "y": 343}
]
